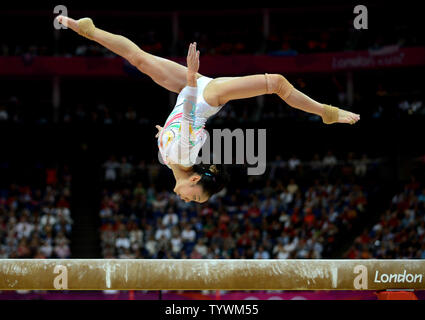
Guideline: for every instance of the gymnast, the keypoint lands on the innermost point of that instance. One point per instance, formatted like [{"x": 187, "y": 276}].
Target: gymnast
[{"x": 199, "y": 98}]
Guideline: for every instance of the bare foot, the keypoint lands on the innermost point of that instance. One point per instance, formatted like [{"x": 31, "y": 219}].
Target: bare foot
[{"x": 347, "y": 117}]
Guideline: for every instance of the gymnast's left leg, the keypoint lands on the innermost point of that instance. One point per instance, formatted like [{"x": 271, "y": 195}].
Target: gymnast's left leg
[
  {"x": 166, "y": 73},
  {"x": 221, "y": 90}
]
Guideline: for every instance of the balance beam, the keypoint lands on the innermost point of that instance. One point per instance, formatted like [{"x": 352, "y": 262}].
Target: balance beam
[{"x": 194, "y": 274}]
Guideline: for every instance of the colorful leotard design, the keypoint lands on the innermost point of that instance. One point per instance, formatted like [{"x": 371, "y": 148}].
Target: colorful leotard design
[{"x": 183, "y": 133}]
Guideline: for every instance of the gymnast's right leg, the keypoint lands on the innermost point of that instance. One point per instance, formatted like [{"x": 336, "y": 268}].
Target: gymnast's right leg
[
  {"x": 164, "y": 72},
  {"x": 221, "y": 90}
]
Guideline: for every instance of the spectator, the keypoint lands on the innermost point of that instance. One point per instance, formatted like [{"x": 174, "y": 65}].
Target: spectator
[
  {"x": 176, "y": 244},
  {"x": 261, "y": 253},
  {"x": 126, "y": 168},
  {"x": 293, "y": 163},
  {"x": 292, "y": 187},
  {"x": 48, "y": 219},
  {"x": 171, "y": 218},
  {"x": 122, "y": 241},
  {"x": 24, "y": 229},
  {"x": 126, "y": 254},
  {"x": 62, "y": 250},
  {"x": 329, "y": 160},
  {"x": 151, "y": 247},
  {"x": 201, "y": 248},
  {"x": 360, "y": 167},
  {"x": 4, "y": 115},
  {"x": 110, "y": 169},
  {"x": 136, "y": 237},
  {"x": 162, "y": 231},
  {"x": 46, "y": 249},
  {"x": 139, "y": 190},
  {"x": 23, "y": 250},
  {"x": 3, "y": 252},
  {"x": 279, "y": 251},
  {"x": 188, "y": 235}
]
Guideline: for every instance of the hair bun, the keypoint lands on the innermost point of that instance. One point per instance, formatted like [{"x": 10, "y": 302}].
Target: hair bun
[{"x": 213, "y": 169}]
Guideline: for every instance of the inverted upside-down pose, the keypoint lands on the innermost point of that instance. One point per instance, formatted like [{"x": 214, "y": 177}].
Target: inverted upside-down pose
[{"x": 200, "y": 97}]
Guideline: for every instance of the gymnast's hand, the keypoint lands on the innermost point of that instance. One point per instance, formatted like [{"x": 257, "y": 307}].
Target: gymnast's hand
[
  {"x": 192, "y": 64},
  {"x": 159, "y": 128}
]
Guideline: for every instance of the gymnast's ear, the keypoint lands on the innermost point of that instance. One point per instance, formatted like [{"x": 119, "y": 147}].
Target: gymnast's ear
[{"x": 194, "y": 178}]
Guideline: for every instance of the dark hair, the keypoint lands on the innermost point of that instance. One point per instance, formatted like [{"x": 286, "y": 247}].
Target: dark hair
[{"x": 213, "y": 177}]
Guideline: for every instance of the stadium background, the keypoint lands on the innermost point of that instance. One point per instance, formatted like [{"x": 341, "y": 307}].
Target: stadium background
[{"x": 79, "y": 170}]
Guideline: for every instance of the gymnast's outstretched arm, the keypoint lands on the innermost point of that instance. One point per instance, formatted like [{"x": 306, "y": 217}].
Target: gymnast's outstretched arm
[
  {"x": 190, "y": 96},
  {"x": 164, "y": 72},
  {"x": 190, "y": 93}
]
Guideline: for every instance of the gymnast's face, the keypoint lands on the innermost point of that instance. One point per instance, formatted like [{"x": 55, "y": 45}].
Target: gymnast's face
[{"x": 189, "y": 189}]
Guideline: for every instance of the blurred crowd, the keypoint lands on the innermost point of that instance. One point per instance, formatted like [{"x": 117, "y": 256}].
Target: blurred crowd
[
  {"x": 391, "y": 93},
  {"x": 300, "y": 209},
  {"x": 400, "y": 231},
  {"x": 35, "y": 221},
  {"x": 371, "y": 104},
  {"x": 296, "y": 212},
  {"x": 232, "y": 36},
  {"x": 276, "y": 44}
]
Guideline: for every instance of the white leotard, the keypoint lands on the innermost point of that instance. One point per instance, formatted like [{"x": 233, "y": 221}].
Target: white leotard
[{"x": 183, "y": 133}]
